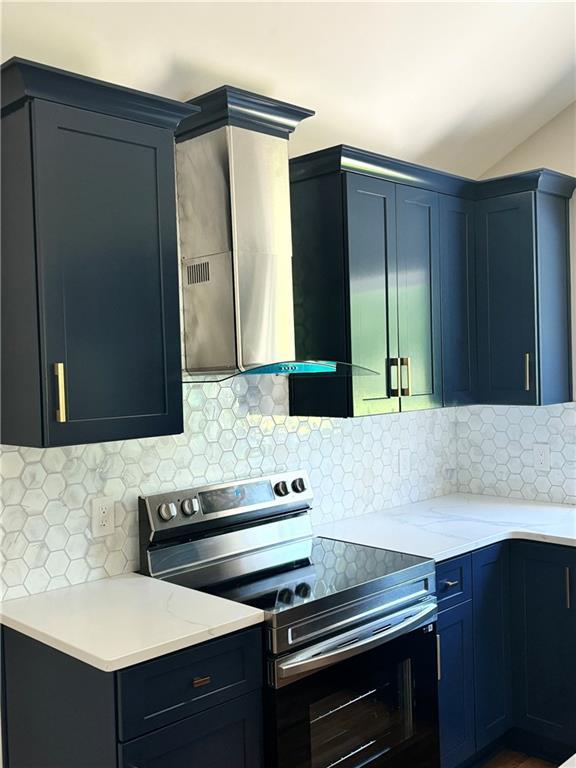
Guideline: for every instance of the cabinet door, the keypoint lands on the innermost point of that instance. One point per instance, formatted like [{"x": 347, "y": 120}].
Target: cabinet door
[
  {"x": 545, "y": 638},
  {"x": 506, "y": 300},
  {"x": 456, "y": 684},
  {"x": 371, "y": 213},
  {"x": 419, "y": 319},
  {"x": 458, "y": 287},
  {"x": 492, "y": 644},
  {"x": 227, "y": 736},
  {"x": 108, "y": 276}
]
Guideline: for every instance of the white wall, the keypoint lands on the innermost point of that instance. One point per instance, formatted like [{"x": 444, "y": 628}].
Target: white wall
[{"x": 552, "y": 146}]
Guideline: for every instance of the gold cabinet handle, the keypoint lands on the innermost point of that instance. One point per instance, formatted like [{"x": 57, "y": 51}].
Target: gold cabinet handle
[
  {"x": 568, "y": 589},
  {"x": 200, "y": 681},
  {"x": 395, "y": 365},
  {"x": 527, "y": 372},
  {"x": 61, "y": 415},
  {"x": 407, "y": 390}
]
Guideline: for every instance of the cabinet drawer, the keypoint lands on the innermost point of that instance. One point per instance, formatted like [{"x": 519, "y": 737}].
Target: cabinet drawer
[
  {"x": 168, "y": 689},
  {"x": 228, "y": 736},
  {"x": 454, "y": 581}
]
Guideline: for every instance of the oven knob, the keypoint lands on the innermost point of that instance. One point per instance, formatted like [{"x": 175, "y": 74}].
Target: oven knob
[
  {"x": 286, "y": 596},
  {"x": 303, "y": 590},
  {"x": 298, "y": 485},
  {"x": 167, "y": 511},
  {"x": 281, "y": 488},
  {"x": 189, "y": 507}
]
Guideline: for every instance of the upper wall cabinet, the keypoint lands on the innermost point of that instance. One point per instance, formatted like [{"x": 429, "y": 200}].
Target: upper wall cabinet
[
  {"x": 523, "y": 278},
  {"x": 454, "y": 291},
  {"x": 367, "y": 283},
  {"x": 458, "y": 285},
  {"x": 90, "y": 317}
]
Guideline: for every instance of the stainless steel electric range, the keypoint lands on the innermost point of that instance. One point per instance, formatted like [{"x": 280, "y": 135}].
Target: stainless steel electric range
[{"x": 350, "y": 630}]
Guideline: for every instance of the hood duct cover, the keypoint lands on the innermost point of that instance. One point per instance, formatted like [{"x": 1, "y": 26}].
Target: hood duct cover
[{"x": 235, "y": 236}]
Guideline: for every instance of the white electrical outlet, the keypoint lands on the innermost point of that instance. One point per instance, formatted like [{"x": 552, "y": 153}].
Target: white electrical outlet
[
  {"x": 404, "y": 462},
  {"x": 102, "y": 517},
  {"x": 542, "y": 457}
]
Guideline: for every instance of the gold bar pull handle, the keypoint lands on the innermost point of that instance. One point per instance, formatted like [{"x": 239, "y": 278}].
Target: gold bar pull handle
[
  {"x": 395, "y": 366},
  {"x": 568, "y": 588},
  {"x": 407, "y": 390},
  {"x": 61, "y": 415},
  {"x": 527, "y": 371}
]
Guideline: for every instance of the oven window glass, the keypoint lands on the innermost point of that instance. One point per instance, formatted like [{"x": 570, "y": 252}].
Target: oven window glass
[
  {"x": 376, "y": 710},
  {"x": 352, "y": 724}
]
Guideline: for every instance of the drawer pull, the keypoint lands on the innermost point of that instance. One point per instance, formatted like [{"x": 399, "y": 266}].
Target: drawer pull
[
  {"x": 451, "y": 584},
  {"x": 568, "y": 589},
  {"x": 198, "y": 682},
  {"x": 439, "y": 657}
]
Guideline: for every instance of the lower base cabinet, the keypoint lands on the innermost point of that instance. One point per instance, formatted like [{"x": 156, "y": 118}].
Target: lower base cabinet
[
  {"x": 196, "y": 708},
  {"x": 456, "y": 684},
  {"x": 227, "y": 736},
  {"x": 544, "y": 620},
  {"x": 507, "y": 652}
]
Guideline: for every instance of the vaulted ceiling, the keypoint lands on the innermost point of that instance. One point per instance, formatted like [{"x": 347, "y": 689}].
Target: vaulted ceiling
[{"x": 454, "y": 85}]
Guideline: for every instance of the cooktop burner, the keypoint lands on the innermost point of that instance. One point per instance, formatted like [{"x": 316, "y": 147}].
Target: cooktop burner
[{"x": 331, "y": 567}]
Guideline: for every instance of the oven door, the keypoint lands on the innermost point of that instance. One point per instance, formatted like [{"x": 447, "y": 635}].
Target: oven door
[{"x": 374, "y": 708}]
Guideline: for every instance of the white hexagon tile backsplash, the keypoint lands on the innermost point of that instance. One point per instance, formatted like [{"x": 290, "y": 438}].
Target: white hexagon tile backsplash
[{"x": 241, "y": 429}]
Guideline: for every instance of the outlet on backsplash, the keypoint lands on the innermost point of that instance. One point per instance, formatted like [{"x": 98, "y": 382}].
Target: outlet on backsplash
[
  {"x": 102, "y": 517},
  {"x": 542, "y": 457}
]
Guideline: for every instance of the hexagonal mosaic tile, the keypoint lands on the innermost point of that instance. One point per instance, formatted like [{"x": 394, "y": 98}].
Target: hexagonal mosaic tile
[
  {"x": 240, "y": 429},
  {"x": 495, "y": 446}
]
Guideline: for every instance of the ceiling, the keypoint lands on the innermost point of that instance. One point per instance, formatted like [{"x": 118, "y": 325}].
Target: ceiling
[{"x": 453, "y": 85}]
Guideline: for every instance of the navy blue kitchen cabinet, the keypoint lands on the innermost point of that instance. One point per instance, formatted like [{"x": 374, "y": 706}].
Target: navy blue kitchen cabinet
[
  {"x": 523, "y": 293},
  {"x": 201, "y": 706},
  {"x": 228, "y": 736},
  {"x": 366, "y": 270},
  {"x": 544, "y": 640},
  {"x": 474, "y": 274},
  {"x": 458, "y": 285},
  {"x": 90, "y": 317},
  {"x": 475, "y": 659},
  {"x": 419, "y": 323},
  {"x": 492, "y": 643},
  {"x": 456, "y": 684}
]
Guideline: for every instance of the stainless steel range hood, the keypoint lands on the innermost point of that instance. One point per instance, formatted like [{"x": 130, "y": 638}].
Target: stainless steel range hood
[{"x": 235, "y": 237}]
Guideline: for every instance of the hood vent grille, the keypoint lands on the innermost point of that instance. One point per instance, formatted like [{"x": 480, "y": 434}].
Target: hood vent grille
[{"x": 198, "y": 273}]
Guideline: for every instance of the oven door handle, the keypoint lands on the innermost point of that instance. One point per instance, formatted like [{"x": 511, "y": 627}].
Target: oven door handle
[{"x": 304, "y": 662}]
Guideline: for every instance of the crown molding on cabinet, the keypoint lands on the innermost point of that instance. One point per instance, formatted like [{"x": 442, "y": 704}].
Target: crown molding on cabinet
[
  {"x": 228, "y": 105},
  {"x": 346, "y": 158},
  {"x": 23, "y": 80}
]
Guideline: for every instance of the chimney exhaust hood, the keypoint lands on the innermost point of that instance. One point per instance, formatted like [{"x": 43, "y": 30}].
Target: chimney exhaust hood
[{"x": 233, "y": 194}]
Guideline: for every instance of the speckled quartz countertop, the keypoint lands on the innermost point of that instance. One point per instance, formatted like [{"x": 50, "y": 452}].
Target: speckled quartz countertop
[
  {"x": 452, "y": 525},
  {"x": 571, "y": 763},
  {"x": 114, "y": 623}
]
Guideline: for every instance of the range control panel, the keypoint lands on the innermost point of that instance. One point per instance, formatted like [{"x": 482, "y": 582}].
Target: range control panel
[{"x": 212, "y": 502}]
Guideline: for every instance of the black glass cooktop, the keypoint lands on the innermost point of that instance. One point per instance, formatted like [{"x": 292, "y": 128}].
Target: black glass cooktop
[{"x": 329, "y": 567}]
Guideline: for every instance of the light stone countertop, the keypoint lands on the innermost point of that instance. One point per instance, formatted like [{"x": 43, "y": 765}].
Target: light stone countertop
[
  {"x": 452, "y": 525},
  {"x": 124, "y": 620},
  {"x": 571, "y": 763}
]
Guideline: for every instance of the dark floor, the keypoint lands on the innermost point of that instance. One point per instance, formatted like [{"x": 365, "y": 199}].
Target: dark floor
[{"x": 509, "y": 759}]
